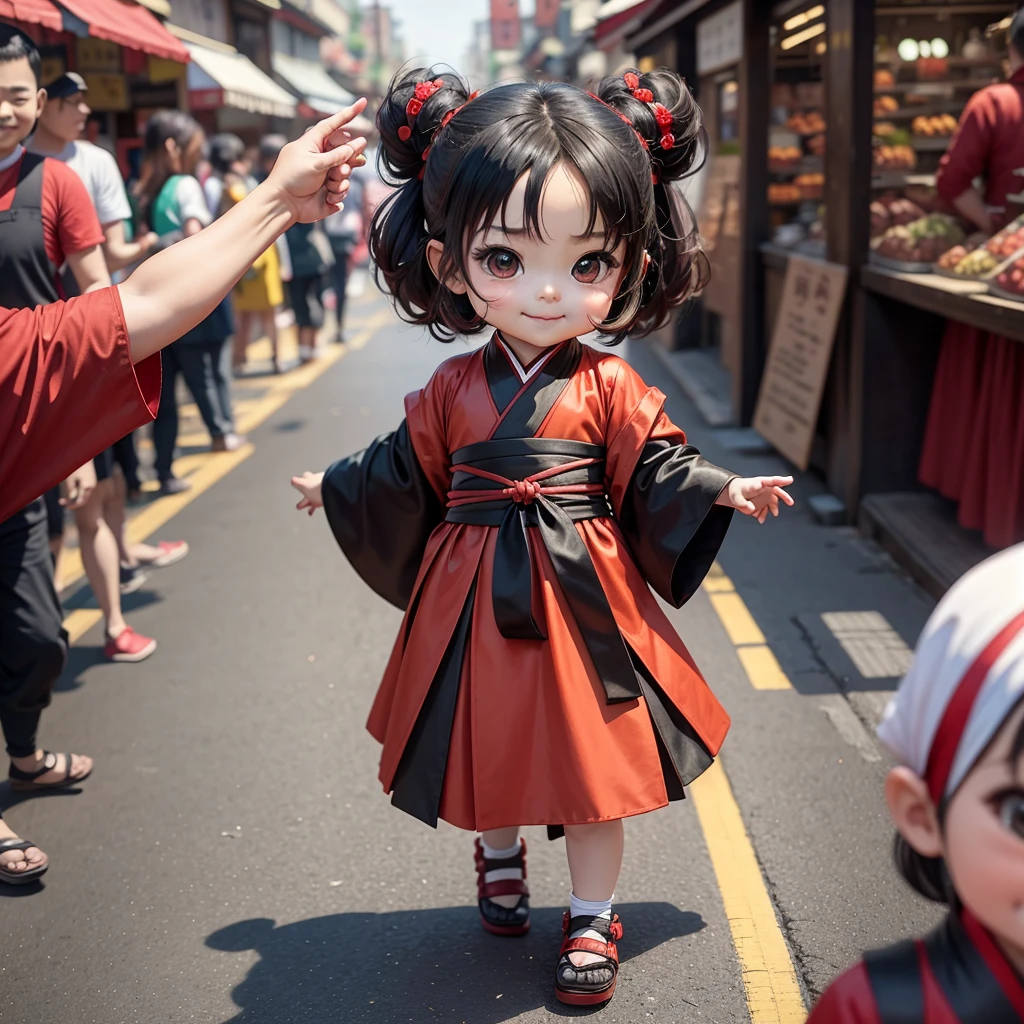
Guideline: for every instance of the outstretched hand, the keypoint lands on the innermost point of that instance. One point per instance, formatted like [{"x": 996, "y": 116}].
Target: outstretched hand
[
  {"x": 756, "y": 496},
  {"x": 311, "y": 173},
  {"x": 308, "y": 485}
]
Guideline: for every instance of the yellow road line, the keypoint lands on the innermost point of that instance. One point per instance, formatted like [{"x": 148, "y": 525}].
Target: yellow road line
[
  {"x": 769, "y": 978},
  {"x": 759, "y": 663},
  {"x": 204, "y": 469}
]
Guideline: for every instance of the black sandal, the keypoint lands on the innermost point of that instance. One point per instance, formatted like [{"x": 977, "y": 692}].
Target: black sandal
[
  {"x": 495, "y": 918},
  {"x": 26, "y": 781},
  {"x": 20, "y": 877},
  {"x": 594, "y": 983}
]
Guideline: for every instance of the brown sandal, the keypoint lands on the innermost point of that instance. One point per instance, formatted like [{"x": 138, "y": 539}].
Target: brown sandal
[
  {"x": 592, "y": 983},
  {"x": 29, "y": 874},
  {"x": 26, "y": 781}
]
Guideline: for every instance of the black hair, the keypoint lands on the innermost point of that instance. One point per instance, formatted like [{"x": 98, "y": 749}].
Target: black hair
[
  {"x": 1015, "y": 33},
  {"x": 225, "y": 150},
  {"x": 478, "y": 151},
  {"x": 271, "y": 146},
  {"x": 163, "y": 125},
  {"x": 15, "y": 45},
  {"x": 929, "y": 875}
]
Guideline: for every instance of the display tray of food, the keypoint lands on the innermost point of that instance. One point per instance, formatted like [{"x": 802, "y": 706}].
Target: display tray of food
[
  {"x": 982, "y": 263},
  {"x": 914, "y": 247},
  {"x": 1008, "y": 281}
]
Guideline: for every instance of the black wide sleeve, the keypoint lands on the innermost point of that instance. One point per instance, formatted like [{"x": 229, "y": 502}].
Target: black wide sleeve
[
  {"x": 382, "y": 511},
  {"x": 670, "y": 520}
]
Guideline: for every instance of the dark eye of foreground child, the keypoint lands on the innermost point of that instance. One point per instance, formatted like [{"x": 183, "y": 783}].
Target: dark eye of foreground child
[
  {"x": 593, "y": 267},
  {"x": 1009, "y": 805},
  {"x": 501, "y": 263}
]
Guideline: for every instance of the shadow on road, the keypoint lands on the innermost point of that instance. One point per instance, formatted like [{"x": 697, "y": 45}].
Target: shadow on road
[{"x": 417, "y": 965}]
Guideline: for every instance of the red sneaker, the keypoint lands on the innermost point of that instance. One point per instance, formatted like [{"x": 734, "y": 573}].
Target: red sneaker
[
  {"x": 171, "y": 551},
  {"x": 129, "y": 646}
]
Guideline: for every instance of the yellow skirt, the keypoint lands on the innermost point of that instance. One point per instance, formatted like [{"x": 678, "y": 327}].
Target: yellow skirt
[{"x": 260, "y": 290}]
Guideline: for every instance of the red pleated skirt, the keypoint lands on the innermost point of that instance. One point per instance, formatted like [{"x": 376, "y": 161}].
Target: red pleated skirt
[{"x": 973, "y": 449}]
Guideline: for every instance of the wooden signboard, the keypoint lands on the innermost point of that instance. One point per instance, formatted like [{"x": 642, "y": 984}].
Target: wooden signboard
[{"x": 794, "y": 376}]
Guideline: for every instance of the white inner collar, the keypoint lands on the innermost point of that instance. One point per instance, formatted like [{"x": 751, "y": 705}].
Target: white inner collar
[
  {"x": 10, "y": 161},
  {"x": 524, "y": 374}
]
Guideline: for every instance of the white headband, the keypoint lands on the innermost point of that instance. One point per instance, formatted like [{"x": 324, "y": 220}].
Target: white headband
[{"x": 978, "y": 625}]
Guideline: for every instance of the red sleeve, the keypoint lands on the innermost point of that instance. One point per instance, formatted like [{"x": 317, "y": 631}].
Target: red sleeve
[
  {"x": 848, "y": 1000},
  {"x": 67, "y": 391},
  {"x": 69, "y": 219},
  {"x": 967, "y": 155}
]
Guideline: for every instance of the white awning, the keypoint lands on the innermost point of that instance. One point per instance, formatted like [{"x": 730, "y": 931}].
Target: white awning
[
  {"x": 223, "y": 77},
  {"x": 311, "y": 83}
]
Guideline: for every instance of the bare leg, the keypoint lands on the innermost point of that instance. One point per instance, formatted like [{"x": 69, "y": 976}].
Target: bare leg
[
  {"x": 307, "y": 343},
  {"x": 595, "y": 860},
  {"x": 502, "y": 839},
  {"x": 100, "y": 557},
  {"x": 240, "y": 342},
  {"x": 270, "y": 326},
  {"x": 115, "y": 515}
]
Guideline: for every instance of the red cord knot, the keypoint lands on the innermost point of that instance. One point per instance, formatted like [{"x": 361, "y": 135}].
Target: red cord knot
[{"x": 523, "y": 491}]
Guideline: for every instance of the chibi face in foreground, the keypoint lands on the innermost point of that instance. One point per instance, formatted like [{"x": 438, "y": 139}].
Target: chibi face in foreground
[
  {"x": 979, "y": 835},
  {"x": 541, "y": 289}
]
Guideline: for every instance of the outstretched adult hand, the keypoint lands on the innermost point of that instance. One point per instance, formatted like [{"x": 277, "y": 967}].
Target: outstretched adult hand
[{"x": 311, "y": 174}]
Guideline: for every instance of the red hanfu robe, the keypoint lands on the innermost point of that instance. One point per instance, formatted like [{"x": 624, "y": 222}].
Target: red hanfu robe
[
  {"x": 956, "y": 975},
  {"x": 535, "y": 679}
]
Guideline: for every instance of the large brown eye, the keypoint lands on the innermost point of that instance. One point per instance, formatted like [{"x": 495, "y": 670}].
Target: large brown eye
[
  {"x": 1011, "y": 813},
  {"x": 502, "y": 263},
  {"x": 590, "y": 269}
]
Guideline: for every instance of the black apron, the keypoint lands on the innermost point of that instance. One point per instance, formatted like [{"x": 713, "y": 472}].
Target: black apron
[{"x": 28, "y": 278}]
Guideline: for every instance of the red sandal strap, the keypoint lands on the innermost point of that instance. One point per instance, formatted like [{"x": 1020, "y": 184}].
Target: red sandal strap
[
  {"x": 584, "y": 945},
  {"x": 505, "y": 887}
]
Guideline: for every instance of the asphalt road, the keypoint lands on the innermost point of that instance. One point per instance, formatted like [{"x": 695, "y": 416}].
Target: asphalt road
[{"x": 232, "y": 859}]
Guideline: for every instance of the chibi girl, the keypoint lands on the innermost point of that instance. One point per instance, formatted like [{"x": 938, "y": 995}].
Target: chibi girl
[
  {"x": 956, "y": 725},
  {"x": 536, "y": 486}
]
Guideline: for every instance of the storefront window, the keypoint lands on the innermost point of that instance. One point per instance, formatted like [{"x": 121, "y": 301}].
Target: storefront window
[
  {"x": 796, "y": 137},
  {"x": 929, "y": 61}
]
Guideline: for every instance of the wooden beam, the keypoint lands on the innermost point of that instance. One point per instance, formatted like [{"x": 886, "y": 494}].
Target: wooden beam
[
  {"x": 754, "y": 116},
  {"x": 848, "y": 109}
]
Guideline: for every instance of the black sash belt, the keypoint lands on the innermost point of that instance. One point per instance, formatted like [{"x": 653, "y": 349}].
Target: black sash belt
[{"x": 547, "y": 484}]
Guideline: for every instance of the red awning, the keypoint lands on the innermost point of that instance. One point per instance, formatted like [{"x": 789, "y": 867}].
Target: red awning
[
  {"x": 607, "y": 26},
  {"x": 127, "y": 24},
  {"x": 34, "y": 12}
]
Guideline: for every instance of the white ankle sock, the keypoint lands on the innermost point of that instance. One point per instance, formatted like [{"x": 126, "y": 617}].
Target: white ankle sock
[
  {"x": 589, "y": 908},
  {"x": 501, "y": 874},
  {"x": 492, "y": 854}
]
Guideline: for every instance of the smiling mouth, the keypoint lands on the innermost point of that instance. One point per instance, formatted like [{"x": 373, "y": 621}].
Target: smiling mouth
[{"x": 534, "y": 317}]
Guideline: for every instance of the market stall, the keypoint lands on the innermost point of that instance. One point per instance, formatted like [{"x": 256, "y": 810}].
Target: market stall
[{"x": 943, "y": 290}]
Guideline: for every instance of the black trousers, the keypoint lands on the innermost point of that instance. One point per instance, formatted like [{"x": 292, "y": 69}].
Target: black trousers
[
  {"x": 127, "y": 458},
  {"x": 33, "y": 643},
  {"x": 207, "y": 370}
]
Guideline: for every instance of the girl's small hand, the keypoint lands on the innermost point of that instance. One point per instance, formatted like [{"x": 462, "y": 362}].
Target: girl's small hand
[
  {"x": 756, "y": 496},
  {"x": 308, "y": 485}
]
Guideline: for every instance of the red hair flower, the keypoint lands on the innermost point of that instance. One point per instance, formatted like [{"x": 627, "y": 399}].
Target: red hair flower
[
  {"x": 631, "y": 80},
  {"x": 644, "y": 95},
  {"x": 668, "y": 140},
  {"x": 662, "y": 115},
  {"x": 413, "y": 107}
]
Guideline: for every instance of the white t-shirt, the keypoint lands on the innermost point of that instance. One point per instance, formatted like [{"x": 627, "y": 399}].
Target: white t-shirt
[
  {"x": 102, "y": 180},
  {"x": 190, "y": 202}
]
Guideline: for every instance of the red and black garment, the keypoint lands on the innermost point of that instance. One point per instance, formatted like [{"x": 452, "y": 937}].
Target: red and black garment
[
  {"x": 955, "y": 975},
  {"x": 519, "y": 515}
]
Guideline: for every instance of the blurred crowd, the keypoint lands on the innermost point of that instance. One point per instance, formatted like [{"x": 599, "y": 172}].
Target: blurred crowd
[{"x": 70, "y": 224}]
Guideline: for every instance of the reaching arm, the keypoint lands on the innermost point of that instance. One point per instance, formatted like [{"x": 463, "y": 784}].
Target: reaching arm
[
  {"x": 971, "y": 205},
  {"x": 89, "y": 269},
  {"x": 174, "y": 289},
  {"x": 119, "y": 252}
]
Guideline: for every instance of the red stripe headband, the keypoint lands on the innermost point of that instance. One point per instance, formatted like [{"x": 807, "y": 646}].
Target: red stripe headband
[{"x": 958, "y": 711}]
